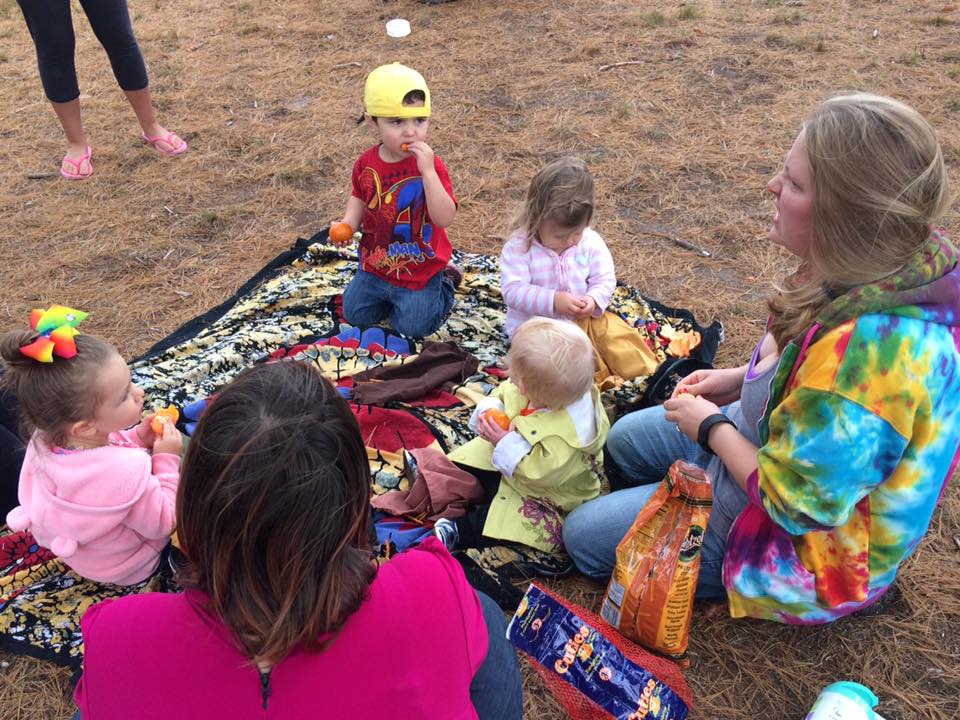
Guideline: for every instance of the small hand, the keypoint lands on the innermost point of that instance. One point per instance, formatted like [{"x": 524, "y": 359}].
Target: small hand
[
  {"x": 340, "y": 233},
  {"x": 489, "y": 430},
  {"x": 424, "y": 155},
  {"x": 589, "y": 306},
  {"x": 170, "y": 442},
  {"x": 567, "y": 304},
  {"x": 688, "y": 413},
  {"x": 145, "y": 432}
]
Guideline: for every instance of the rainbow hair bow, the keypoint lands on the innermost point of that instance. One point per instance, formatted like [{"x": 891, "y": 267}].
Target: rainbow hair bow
[{"x": 56, "y": 327}]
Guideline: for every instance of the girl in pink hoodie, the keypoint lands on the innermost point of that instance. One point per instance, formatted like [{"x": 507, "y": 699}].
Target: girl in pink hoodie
[{"x": 99, "y": 495}]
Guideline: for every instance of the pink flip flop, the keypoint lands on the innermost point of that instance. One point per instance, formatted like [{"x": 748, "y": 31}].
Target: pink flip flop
[
  {"x": 167, "y": 141},
  {"x": 77, "y": 172}
]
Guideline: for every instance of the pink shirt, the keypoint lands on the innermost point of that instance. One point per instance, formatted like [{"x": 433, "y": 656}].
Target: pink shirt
[
  {"x": 107, "y": 511},
  {"x": 410, "y": 651},
  {"x": 529, "y": 277}
]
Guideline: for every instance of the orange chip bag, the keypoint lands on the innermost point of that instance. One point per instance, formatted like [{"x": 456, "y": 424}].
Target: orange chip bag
[{"x": 650, "y": 595}]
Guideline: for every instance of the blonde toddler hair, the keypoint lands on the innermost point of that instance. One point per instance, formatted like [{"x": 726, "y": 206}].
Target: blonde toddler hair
[
  {"x": 553, "y": 360},
  {"x": 561, "y": 191},
  {"x": 879, "y": 182}
]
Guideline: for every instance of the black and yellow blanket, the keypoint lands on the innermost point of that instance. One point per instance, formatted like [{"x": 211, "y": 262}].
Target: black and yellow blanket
[{"x": 291, "y": 309}]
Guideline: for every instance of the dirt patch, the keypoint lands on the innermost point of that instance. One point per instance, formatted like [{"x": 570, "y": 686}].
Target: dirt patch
[{"x": 682, "y": 138}]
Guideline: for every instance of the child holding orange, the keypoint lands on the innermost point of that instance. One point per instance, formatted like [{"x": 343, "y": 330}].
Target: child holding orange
[
  {"x": 545, "y": 462},
  {"x": 402, "y": 200}
]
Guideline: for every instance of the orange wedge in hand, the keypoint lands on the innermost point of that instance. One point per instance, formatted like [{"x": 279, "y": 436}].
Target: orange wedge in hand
[{"x": 169, "y": 413}]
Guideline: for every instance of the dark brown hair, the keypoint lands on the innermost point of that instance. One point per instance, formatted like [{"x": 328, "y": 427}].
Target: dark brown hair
[
  {"x": 54, "y": 395},
  {"x": 272, "y": 510}
]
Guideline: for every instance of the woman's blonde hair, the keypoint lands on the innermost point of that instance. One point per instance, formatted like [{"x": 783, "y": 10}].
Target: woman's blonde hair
[
  {"x": 553, "y": 360},
  {"x": 561, "y": 191},
  {"x": 879, "y": 182}
]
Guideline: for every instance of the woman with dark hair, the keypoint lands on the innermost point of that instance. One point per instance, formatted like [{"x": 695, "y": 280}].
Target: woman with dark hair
[
  {"x": 51, "y": 27},
  {"x": 286, "y": 613}
]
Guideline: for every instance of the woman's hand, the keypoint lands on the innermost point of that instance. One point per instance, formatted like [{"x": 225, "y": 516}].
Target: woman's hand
[
  {"x": 720, "y": 387},
  {"x": 489, "y": 430},
  {"x": 688, "y": 412}
]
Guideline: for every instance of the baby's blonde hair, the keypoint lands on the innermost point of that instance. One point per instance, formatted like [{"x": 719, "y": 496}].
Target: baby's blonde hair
[
  {"x": 553, "y": 360},
  {"x": 562, "y": 192},
  {"x": 879, "y": 180}
]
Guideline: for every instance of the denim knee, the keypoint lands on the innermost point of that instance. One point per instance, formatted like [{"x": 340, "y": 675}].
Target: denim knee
[
  {"x": 418, "y": 313},
  {"x": 580, "y": 541},
  {"x": 416, "y": 326},
  {"x": 621, "y": 442}
]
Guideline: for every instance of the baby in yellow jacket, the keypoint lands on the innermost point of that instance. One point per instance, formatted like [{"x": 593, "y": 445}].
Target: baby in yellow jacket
[{"x": 546, "y": 462}]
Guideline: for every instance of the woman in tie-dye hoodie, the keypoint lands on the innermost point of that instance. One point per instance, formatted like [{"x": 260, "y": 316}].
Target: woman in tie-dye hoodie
[{"x": 842, "y": 431}]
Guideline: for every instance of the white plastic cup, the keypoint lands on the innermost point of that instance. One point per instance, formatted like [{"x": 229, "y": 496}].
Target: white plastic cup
[{"x": 398, "y": 28}]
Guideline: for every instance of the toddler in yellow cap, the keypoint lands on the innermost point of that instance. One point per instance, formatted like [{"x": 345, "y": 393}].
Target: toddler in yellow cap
[{"x": 401, "y": 202}]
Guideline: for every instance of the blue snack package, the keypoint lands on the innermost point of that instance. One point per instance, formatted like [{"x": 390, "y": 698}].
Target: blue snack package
[{"x": 571, "y": 649}]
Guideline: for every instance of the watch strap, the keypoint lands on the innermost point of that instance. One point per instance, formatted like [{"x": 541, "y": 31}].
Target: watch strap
[{"x": 703, "y": 433}]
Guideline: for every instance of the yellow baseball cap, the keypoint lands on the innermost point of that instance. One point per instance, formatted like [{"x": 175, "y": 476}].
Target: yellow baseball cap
[{"x": 386, "y": 87}]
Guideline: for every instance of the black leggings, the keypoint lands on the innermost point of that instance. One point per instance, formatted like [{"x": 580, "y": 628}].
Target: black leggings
[
  {"x": 51, "y": 27},
  {"x": 470, "y": 527},
  {"x": 11, "y": 453}
]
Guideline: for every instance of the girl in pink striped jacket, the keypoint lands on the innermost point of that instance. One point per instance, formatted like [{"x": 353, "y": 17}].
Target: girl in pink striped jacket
[{"x": 553, "y": 264}]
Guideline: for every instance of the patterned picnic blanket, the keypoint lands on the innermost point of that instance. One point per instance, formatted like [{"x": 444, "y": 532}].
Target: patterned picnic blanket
[{"x": 291, "y": 309}]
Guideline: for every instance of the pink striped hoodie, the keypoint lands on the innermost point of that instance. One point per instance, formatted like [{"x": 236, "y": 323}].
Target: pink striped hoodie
[{"x": 529, "y": 277}]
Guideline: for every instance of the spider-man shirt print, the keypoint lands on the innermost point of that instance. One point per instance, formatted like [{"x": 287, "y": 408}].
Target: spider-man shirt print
[{"x": 399, "y": 242}]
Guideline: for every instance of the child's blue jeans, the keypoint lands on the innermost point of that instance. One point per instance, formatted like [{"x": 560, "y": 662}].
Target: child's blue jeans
[{"x": 369, "y": 299}]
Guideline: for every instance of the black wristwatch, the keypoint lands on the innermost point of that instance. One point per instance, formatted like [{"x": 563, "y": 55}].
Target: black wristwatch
[{"x": 703, "y": 434}]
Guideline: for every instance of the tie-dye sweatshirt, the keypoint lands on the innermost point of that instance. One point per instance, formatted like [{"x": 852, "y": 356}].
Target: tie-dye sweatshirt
[{"x": 858, "y": 441}]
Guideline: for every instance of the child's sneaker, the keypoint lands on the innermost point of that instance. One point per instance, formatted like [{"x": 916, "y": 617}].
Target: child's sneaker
[{"x": 446, "y": 532}]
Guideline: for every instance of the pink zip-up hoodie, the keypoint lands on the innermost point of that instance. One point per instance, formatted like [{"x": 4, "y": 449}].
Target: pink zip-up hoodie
[{"x": 107, "y": 512}]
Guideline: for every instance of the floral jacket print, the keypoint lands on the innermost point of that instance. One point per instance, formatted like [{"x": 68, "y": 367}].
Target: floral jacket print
[
  {"x": 554, "y": 472},
  {"x": 858, "y": 441}
]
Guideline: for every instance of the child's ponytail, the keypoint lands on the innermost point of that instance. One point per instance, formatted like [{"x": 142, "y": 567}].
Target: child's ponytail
[
  {"x": 13, "y": 359},
  {"x": 52, "y": 395}
]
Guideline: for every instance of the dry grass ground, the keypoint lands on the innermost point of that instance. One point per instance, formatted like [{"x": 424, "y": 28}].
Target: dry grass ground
[{"x": 681, "y": 141}]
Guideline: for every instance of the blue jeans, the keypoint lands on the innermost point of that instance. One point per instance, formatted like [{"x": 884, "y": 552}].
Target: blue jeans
[
  {"x": 369, "y": 299},
  {"x": 644, "y": 446},
  {"x": 496, "y": 692}
]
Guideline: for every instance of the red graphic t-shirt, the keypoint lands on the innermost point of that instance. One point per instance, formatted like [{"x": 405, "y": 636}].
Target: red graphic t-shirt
[{"x": 399, "y": 242}]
